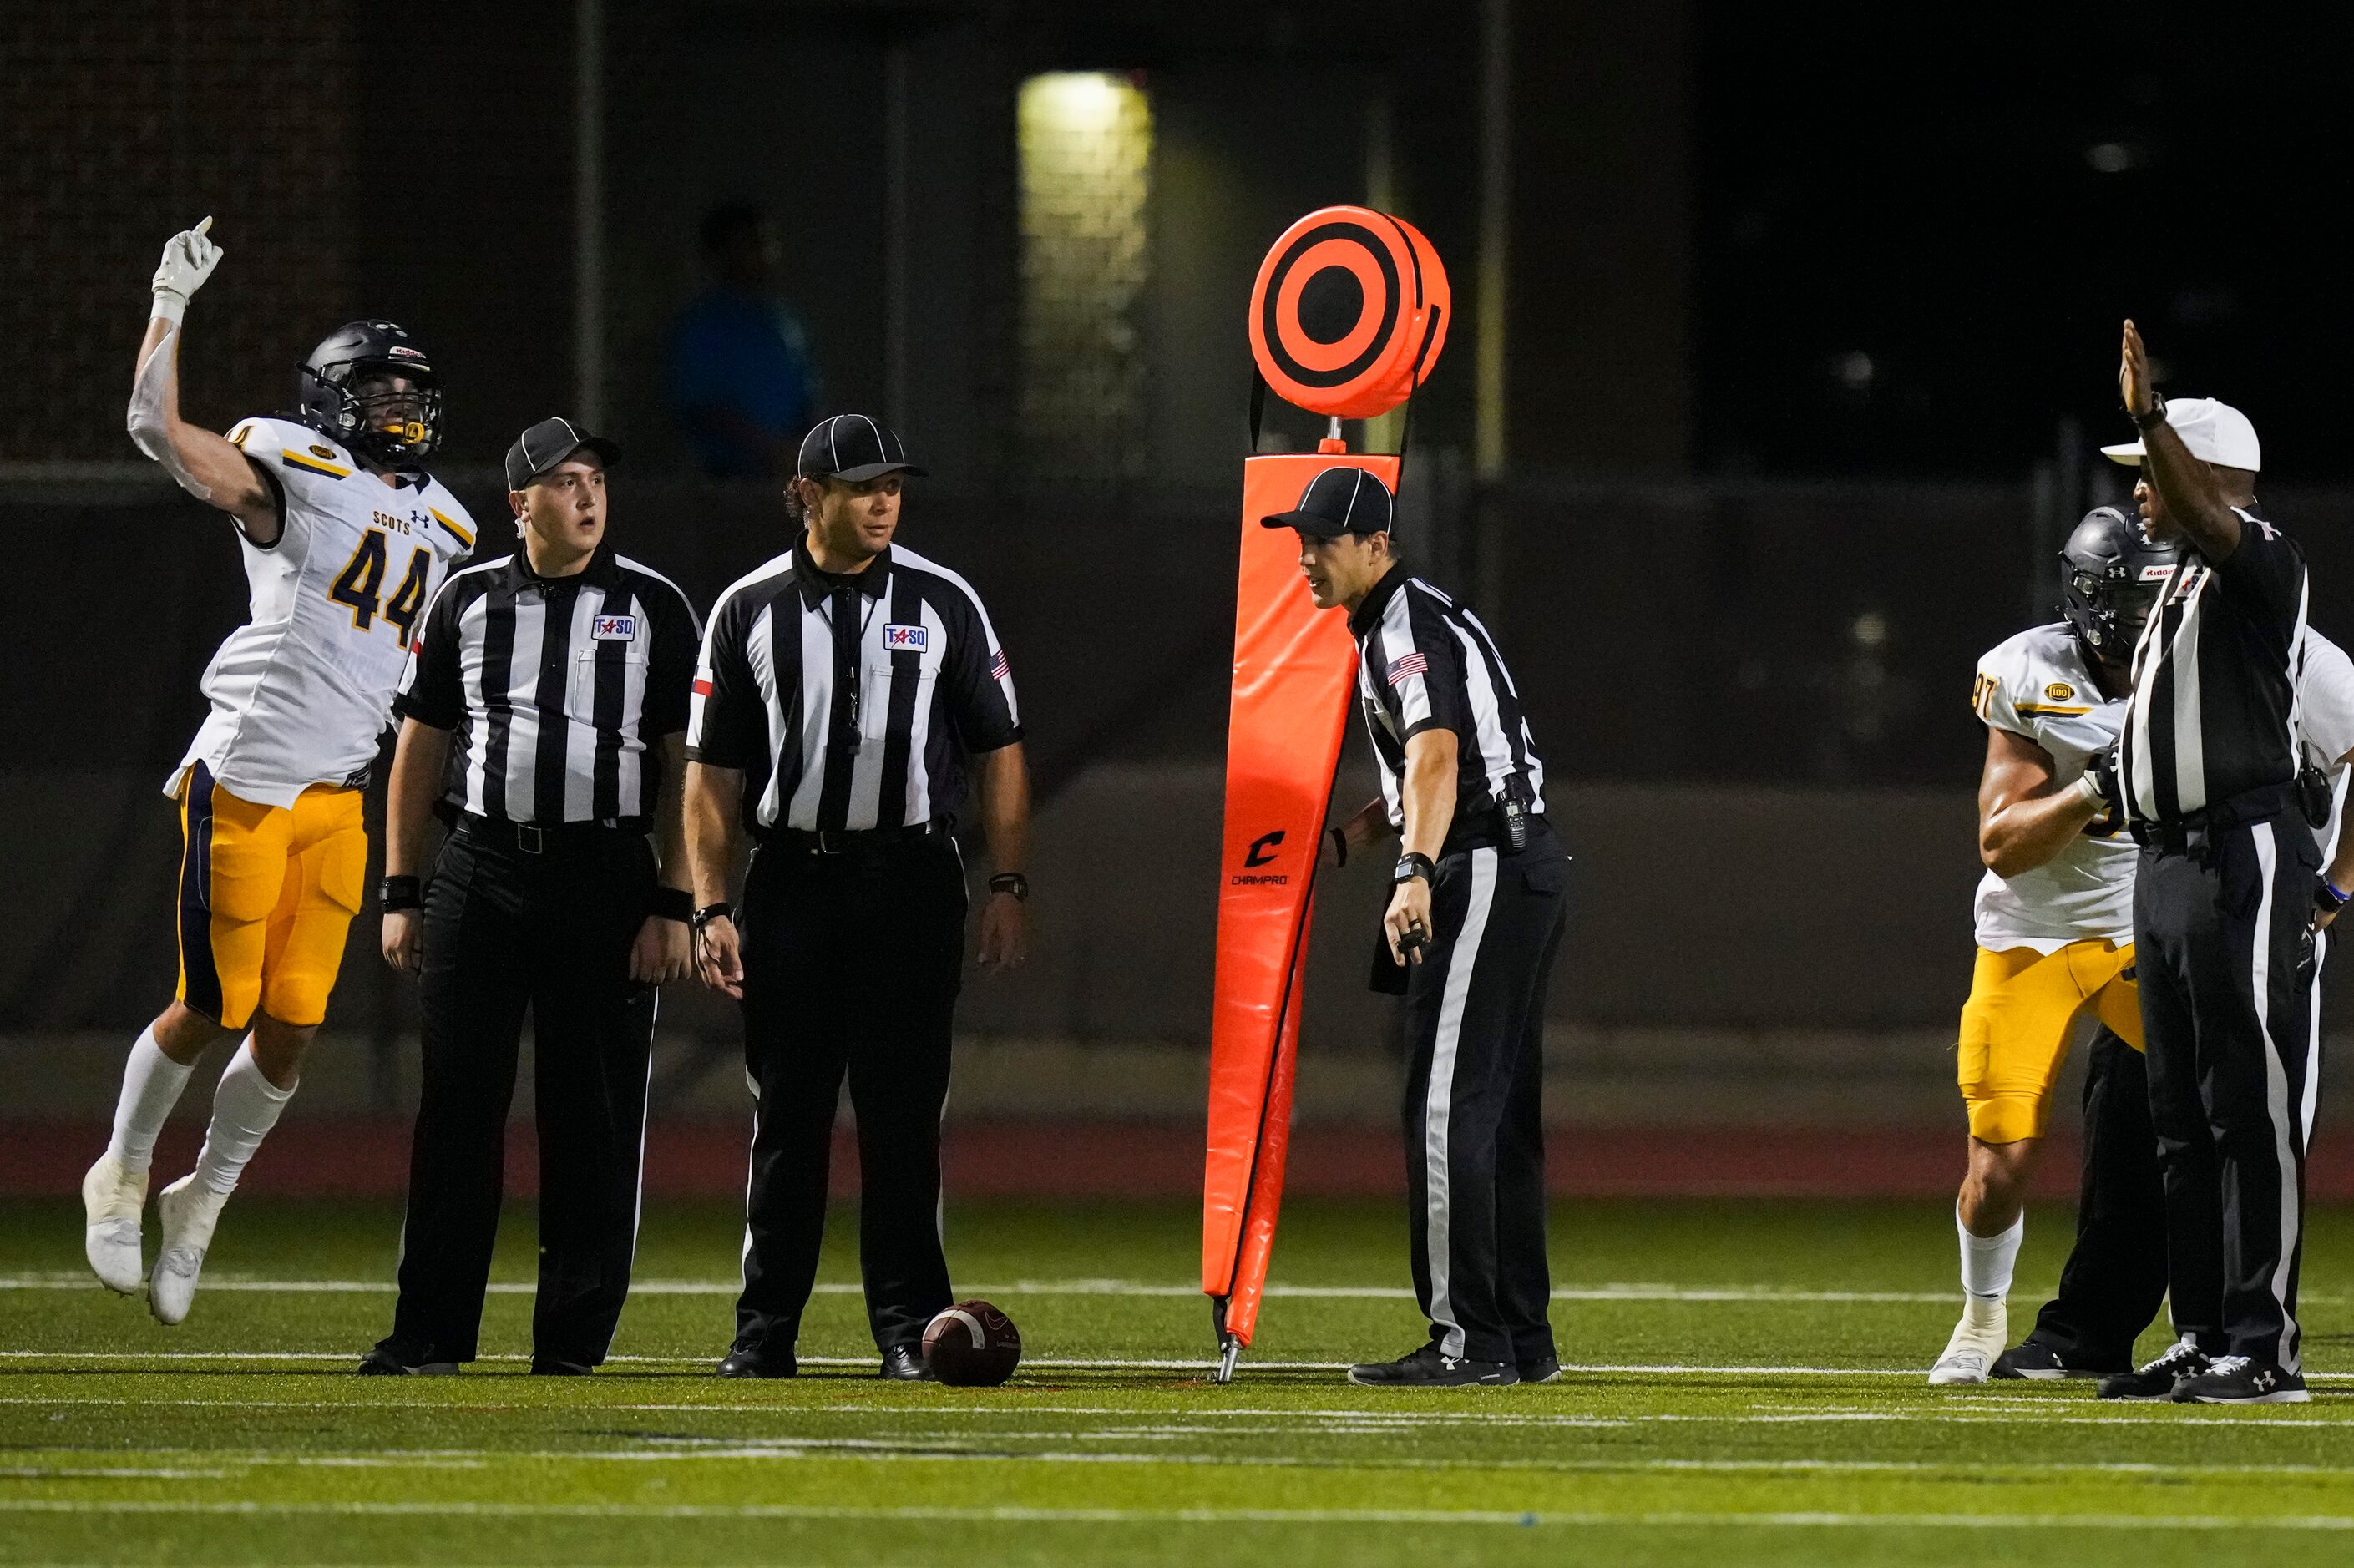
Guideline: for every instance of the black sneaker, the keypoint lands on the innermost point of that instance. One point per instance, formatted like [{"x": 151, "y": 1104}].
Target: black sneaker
[
  {"x": 2159, "y": 1378},
  {"x": 1543, "y": 1370},
  {"x": 2238, "y": 1380},
  {"x": 758, "y": 1361},
  {"x": 2040, "y": 1362},
  {"x": 1431, "y": 1367},
  {"x": 906, "y": 1364},
  {"x": 385, "y": 1362}
]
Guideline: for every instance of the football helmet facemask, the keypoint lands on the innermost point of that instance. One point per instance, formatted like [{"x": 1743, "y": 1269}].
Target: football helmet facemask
[
  {"x": 344, "y": 392},
  {"x": 2114, "y": 575}
]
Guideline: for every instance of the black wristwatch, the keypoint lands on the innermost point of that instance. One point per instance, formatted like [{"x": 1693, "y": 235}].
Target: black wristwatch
[
  {"x": 2154, "y": 417},
  {"x": 399, "y": 893},
  {"x": 1012, "y": 881},
  {"x": 708, "y": 913},
  {"x": 2326, "y": 896},
  {"x": 1411, "y": 865}
]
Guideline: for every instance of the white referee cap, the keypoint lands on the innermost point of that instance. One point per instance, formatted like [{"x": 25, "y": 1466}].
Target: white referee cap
[{"x": 2215, "y": 432}]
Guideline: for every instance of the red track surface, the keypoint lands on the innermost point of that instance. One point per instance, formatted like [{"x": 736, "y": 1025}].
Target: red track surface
[{"x": 1061, "y": 1160}]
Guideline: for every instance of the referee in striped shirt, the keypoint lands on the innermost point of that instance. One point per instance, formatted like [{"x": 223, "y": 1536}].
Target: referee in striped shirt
[
  {"x": 846, "y": 690},
  {"x": 1474, "y": 922},
  {"x": 543, "y": 715},
  {"x": 2225, "y": 900}
]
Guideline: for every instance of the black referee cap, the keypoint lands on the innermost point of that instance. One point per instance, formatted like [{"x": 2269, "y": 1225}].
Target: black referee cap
[
  {"x": 1339, "y": 501},
  {"x": 854, "y": 448},
  {"x": 550, "y": 443}
]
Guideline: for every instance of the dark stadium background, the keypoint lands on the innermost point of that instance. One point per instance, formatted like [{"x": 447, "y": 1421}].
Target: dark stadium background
[{"x": 1806, "y": 334}]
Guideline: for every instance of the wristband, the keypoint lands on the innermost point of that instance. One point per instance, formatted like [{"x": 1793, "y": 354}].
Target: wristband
[
  {"x": 707, "y": 914},
  {"x": 1411, "y": 865},
  {"x": 169, "y": 307},
  {"x": 674, "y": 904},
  {"x": 2326, "y": 896},
  {"x": 399, "y": 893},
  {"x": 1012, "y": 881},
  {"x": 1340, "y": 837},
  {"x": 2090, "y": 790},
  {"x": 2154, "y": 417}
]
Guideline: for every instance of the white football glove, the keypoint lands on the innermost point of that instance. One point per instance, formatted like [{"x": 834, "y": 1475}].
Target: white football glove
[{"x": 189, "y": 257}]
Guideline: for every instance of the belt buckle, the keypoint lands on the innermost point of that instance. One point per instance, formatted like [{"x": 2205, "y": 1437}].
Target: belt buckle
[
  {"x": 529, "y": 839},
  {"x": 829, "y": 842}
]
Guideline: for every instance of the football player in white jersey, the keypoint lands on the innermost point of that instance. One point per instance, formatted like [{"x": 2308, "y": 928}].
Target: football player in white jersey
[
  {"x": 2054, "y": 913},
  {"x": 344, "y": 538}
]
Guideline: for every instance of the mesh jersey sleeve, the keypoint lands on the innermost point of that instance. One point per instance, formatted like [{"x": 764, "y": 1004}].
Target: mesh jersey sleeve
[
  {"x": 727, "y": 724},
  {"x": 2265, "y": 576},
  {"x": 1424, "y": 671},
  {"x": 432, "y": 685},
  {"x": 1995, "y": 697},
  {"x": 671, "y": 673},
  {"x": 979, "y": 681}
]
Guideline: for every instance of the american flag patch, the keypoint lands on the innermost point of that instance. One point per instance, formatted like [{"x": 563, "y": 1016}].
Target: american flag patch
[
  {"x": 999, "y": 669},
  {"x": 1413, "y": 663}
]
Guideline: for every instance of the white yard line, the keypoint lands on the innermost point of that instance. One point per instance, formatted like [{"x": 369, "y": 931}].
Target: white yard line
[
  {"x": 729, "y": 1287},
  {"x": 1586, "y": 1517}
]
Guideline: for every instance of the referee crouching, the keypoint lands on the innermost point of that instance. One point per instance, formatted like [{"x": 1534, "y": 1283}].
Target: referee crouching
[
  {"x": 844, "y": 685},
  {"x": 1468, "y": 940},
  {"x": 543, "y": 711}
]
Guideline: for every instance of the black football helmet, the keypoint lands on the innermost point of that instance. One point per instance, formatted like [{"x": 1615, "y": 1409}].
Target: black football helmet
[
  {"x": 329, "y": 391},
  {"x": 2114, "y": 577}
]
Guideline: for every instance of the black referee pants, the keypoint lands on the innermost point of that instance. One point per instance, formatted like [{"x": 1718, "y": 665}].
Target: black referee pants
[
  {"x": 2116, "y": 1276},
  {"x": 852, "y": 964},
  {"x": 507, "y": 930},
  {"x": 1473, "y": 1019},
  {"x": 2223, "y": 949}
]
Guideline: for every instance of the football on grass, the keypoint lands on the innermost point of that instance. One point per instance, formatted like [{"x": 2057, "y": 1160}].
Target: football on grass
[{"x": 972, "y": 1345}]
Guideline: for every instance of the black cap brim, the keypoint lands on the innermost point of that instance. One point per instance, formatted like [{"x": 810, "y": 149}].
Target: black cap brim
[
  {"x": 1309, "y": 523},
  {"x": 606, "y": 452},
  {"x": 865, "y": 471}
]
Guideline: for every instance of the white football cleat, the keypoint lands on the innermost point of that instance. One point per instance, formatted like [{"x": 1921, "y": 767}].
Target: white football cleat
[
  {"x": 189, "y": 1212},
  {"x": 112, "y": 1202},
  {"x": 1978, "y": 1339}
]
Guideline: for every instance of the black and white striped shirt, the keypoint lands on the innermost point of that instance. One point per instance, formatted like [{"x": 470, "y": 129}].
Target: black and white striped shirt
[
  {"x": 847, "y": 701},
  {"x": 555, "y": 686},
  {"x": 1423, "y": 662},
  {"x": 2213, "y": 712}
]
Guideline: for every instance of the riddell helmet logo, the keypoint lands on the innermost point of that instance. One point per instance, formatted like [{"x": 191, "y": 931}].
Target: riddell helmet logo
[{"x": 1261, "y": 852}]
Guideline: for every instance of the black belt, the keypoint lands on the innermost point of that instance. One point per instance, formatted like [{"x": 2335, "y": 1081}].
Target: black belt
[
  {"x": 2190, "y": 831},
  {"x": 852, "y": 841},
  {"x": 532, "y": 838},
  {"x": 1485, "y": 830}
]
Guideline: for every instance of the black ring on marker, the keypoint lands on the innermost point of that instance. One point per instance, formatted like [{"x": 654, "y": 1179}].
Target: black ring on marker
[{"x": 1380, "y": 344}]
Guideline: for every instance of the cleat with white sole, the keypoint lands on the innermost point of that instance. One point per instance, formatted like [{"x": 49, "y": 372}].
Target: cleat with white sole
[
  {"x": 112, "y": 1202},
  {"x": 1978, "y": 1339},
  {"x": 188, "y": 1212}
]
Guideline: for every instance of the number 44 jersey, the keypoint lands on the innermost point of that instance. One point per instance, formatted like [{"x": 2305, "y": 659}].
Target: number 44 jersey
[{"x": 299, "y": 694}]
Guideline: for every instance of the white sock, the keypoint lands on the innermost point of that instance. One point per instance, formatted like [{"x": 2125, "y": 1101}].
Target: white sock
[
  {"x": 152, "y": 1083},
  {"x": 245, "y": 1107},
  {"x": 1987, "y": 1261}
]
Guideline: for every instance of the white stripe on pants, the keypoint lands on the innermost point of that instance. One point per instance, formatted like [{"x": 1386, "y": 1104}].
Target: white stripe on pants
[{"x": 1437, "y": 1101}]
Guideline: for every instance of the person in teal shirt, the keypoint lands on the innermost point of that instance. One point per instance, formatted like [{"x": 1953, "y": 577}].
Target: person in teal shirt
[{"x": 741, "y": 382}]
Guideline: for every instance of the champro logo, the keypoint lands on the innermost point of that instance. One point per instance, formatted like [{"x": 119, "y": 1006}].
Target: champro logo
[{"x": 1261, "y": 852}]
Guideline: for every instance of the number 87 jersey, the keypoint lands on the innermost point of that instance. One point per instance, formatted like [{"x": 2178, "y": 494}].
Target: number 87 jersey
[{"x": 301, "y": 693}]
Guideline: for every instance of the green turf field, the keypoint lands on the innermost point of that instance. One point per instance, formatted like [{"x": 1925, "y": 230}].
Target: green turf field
[{"x": 1748, "y": 1391}]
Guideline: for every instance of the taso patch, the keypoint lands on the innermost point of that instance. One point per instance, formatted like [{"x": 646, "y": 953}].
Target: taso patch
[
  {"x": 614, "y": 628},
  {"x": 897, "y": 639}
]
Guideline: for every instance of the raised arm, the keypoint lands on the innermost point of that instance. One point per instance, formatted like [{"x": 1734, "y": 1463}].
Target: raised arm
[
  {"x": 203, "y": 464},
  {"x": 2194, "y": 501}
]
